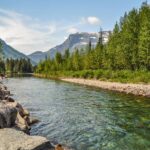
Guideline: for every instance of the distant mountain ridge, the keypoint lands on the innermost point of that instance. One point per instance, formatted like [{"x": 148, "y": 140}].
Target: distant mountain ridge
[
  {"x": 37, "y": 56},
  {"x": 77, "y": 40},
  {"x": 10, "y": 52}
]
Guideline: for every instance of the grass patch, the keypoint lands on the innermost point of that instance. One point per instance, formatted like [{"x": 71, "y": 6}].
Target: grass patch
[{"x": 123, "y": 76}]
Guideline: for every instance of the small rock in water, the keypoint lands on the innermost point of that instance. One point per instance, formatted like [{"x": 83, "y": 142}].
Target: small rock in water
[
  {"x": 59, "y": 147},
  {"x": 33, "y": 121}
]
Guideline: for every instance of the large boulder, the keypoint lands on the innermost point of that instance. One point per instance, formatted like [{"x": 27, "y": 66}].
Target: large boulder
[
  {"x": 8, "y": 115},
  {"x": 13, "y": 114},
  {"x": 12, "y": 139}
]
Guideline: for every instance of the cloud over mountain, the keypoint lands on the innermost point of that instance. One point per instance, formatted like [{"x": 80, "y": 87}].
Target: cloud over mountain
[
  {"x": 28, "y": 34},
  {"x": 25, "y": 33}
]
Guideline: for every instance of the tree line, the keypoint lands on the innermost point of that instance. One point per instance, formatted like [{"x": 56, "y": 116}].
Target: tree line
[
  {"x": 18, "y": 65},
  {"x": 128, "y": 48},
  {"x": 2, "y": 64}
]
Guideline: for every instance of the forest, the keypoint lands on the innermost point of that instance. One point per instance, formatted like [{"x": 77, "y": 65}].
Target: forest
[
  {"x": 125, "y": 57},
  {"x": 16, "y": 66}
]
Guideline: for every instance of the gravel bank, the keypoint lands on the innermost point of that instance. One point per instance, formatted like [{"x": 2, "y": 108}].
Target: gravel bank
[{"x": 135, "y": 89}]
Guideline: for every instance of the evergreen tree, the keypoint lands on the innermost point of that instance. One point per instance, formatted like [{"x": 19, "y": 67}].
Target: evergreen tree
[
  {"x": 1, "y": 51},
  {"x": 129, "y": 35},
  {"x": 128, "y": 47},
  {"x": 76, "y": 61}
]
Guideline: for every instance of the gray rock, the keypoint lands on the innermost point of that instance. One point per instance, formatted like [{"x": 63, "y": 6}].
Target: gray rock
[
  {"x": 7, "y": 116},
  {"x": 17, "y": 140}
]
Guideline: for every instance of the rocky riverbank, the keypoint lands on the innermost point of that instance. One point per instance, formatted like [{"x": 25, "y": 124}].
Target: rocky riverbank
[
  {"x": 135, "y": 89},
  {"x": 15, "y": 124}
]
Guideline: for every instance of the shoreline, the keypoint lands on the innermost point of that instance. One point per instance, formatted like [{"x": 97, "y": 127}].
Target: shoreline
[
  {"x": 16, "y": 122},
  {"x": 128, "y": 88}
]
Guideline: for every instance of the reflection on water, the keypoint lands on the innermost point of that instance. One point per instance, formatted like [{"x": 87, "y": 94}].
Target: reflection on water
[{"x": 85, "y": 118}]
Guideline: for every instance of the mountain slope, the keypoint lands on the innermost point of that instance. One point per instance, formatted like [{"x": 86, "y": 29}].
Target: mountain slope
[
  {"x": 77, "y": 40},
  {"x": 10, "y": 52},
  {"x": 37, "y": 56}
]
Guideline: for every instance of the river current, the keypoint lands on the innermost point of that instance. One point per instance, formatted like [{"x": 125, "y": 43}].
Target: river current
[{"x": 84, "y": 118}]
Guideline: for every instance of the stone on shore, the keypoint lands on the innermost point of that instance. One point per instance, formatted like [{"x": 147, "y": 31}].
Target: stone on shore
[
  {"x": 8, "y": 116},
  {"x": 13, "y": 114},
  {"x": 128, "y": 88},
  {"x": 12, "y": 139}
]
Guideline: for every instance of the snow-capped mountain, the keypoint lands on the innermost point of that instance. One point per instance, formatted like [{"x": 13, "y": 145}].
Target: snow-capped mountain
[{"x": 77, "y": 40}]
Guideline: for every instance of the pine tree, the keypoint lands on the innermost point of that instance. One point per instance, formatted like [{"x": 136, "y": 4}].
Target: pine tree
[
  {"x": 58, "y": 60},
  {"x": 76, "y": 61},
  {"x": 99, "y": 53},
  {"x": 130, "y": 34},
  {"x": 1, "y": 51}
]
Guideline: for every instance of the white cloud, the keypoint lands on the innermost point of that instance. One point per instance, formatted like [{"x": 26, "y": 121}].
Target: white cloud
[
  {"x": 72, "y": 30},
  {"x": 92, "y": 20},
  {"x": 24, "y": 33},
  {"x": 28, "y": 34}
]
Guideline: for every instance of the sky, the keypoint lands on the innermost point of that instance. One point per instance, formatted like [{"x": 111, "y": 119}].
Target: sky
[{"x": 38, "y": 25}]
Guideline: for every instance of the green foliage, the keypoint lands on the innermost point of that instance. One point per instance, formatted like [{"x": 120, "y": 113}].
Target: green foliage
[
  {"x": 2, "y": 64},
  {"x": 1, "y": 51},
  {"x": 14, "y": 66},
  {"x": 18, "y": 66},
  {"x": 2, "y": 67},
  {"x": 125, "y": 58},
  {"x": 144, "y": 37}
]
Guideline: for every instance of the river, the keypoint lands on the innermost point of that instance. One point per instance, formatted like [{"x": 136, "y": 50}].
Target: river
[{"x": 84, "y": 118}]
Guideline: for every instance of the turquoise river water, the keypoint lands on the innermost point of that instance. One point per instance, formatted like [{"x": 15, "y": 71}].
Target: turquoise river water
[{"x": 84, "y": 118}]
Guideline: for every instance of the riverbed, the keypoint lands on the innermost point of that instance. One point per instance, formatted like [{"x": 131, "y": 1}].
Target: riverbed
[{"x": 84, "y": 118}]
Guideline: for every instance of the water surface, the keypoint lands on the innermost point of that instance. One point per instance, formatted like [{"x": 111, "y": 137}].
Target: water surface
[{"x": 84, "y": 118}]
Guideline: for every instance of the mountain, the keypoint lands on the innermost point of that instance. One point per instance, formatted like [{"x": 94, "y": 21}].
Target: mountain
[
  {"x": 77, "y": 40},
  {"x": 37, "y": 56},
  {"x": 10, "y": 52}
]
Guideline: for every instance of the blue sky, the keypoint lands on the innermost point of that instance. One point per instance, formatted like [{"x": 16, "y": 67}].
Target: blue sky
[{"x": 31, "y": 25}]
